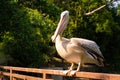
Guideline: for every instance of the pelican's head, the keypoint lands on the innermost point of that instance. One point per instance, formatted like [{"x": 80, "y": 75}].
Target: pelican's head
[{"x": 61, "y": 25}]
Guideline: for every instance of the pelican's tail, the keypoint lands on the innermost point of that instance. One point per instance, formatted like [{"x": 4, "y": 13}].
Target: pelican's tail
[{"x": 100, "y": 62}]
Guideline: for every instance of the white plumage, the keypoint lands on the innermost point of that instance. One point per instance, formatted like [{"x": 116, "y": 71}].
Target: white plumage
[{"x": 75, "y": 50}]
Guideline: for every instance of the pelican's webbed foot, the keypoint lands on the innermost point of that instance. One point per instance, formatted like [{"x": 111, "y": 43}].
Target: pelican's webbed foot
[
  {"x": 66, "y": 72},
  {"x": 72, "y": 73}
]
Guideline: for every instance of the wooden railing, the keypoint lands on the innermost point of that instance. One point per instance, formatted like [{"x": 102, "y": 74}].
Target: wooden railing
[{"x": 15, "y": 73}]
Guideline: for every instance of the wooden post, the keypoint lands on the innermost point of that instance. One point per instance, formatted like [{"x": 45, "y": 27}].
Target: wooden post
[
  {"x": 1, "y": 76},
  {"x": 10, "y": 73},
  {"x": 44, "y": 76}
]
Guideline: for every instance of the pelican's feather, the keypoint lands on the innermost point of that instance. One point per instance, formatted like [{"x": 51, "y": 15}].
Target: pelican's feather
[{"x": 90, "y": 46}]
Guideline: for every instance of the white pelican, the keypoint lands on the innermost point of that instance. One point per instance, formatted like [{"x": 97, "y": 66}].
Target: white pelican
[{"x": 75, "y": 50}]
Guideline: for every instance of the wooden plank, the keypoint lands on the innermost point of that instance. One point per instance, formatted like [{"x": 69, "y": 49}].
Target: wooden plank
[
  {"x": 102, "y": 76},
  {"x": 20, "y": 76}
]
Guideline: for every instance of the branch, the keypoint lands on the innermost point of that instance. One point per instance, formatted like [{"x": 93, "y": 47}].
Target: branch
[{"x": 93, "y": 11}]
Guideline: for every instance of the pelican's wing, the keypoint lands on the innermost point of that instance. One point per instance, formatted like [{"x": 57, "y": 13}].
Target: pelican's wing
[{"x": 90, "y": 46}]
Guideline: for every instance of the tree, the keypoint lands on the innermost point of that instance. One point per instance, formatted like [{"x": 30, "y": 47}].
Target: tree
[{"x": 26, "y": 35}]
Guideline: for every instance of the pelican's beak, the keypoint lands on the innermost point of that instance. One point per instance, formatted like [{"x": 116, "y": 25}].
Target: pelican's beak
[{"x": 61, "y": 26}]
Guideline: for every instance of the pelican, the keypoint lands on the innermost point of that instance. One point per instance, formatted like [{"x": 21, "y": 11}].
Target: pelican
[{"x": 75, "y": 50}]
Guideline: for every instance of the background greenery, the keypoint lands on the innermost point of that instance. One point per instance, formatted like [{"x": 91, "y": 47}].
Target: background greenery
[{"x": 26, "y": 27}]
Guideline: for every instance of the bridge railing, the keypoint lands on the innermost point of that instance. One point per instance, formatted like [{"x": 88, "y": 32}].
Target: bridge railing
[{"x": 15, "y": 73}]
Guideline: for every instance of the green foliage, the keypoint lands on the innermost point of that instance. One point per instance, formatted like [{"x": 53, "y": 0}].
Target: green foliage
[
  {"x": 3, "y": 57},
  {"x": 26, "y": 37}
]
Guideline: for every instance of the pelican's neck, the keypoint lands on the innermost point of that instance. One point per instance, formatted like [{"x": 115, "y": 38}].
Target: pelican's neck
[
  {"x": 59, "y": 38},
  {"x": 61, "y": 26}
]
